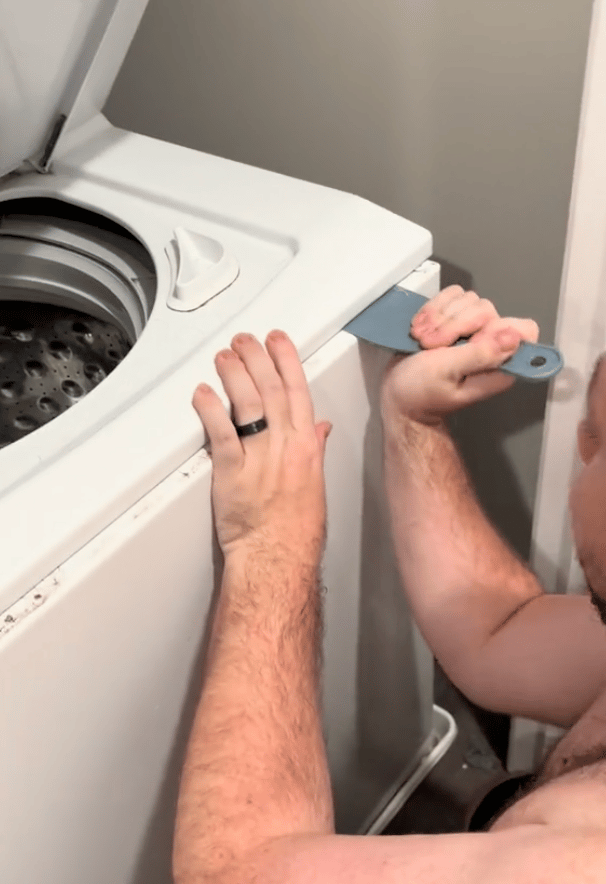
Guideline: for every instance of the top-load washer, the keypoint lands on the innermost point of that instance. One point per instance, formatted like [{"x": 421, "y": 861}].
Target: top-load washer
[{"x": 125, "y": 264}]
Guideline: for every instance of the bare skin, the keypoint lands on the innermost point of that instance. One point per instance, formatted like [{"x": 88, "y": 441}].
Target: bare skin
[{"x": 255, "y": 802}]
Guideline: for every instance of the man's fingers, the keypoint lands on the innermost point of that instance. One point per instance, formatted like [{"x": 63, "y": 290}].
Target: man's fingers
[
  {"x": 287, "y": 362},
  {"x": 268, "y": 384},
  {"x": 265, "y": 377},
  {"x": 528, "y": 328},
  {"x": 450, "y": 302},
  {"x": 444, "y": 329},
  {"x": 447, "y": 301},
  {"x": 225, "y": 446},
  {"x": 446, "y": 376},
  {"x": 239, "y": 386},
  {"x": 323, "y": 431},
  {"x": 489, "y": 348},
  {"x": 455, "y": 313}
]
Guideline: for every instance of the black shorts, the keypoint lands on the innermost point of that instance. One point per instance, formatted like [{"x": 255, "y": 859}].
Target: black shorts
[{"x": 496, "y": 800}]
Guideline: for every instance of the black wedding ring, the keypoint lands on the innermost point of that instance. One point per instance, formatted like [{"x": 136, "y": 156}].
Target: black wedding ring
[{"x": 251, "y": 428}]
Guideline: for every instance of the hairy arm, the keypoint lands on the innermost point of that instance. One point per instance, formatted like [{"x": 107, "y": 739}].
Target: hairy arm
[
  {"x": 256, "y": 766},
  {"x": 464, "y": 583},
  {"x": 506, "y": 644}
]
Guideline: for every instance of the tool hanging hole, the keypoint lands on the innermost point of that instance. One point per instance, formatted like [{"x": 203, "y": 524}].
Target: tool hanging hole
[{"x": 538, "y": 361}]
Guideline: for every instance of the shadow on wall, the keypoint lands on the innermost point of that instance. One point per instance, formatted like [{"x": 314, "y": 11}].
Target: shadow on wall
[
  {"x": 450, "y": 274},
  {"x": 480, "y": 432}
]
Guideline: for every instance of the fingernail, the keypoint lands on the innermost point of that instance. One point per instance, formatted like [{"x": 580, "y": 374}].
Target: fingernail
[
  {"x": 243, "y": 338},
  {"x": 276, "y": 335},
  {"x": 203, "y": 388}
]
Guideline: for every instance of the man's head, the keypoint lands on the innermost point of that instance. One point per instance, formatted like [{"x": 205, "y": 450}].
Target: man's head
[{"x": 588, "y": 493}]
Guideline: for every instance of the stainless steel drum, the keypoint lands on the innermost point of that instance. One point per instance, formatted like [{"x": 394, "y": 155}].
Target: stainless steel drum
[
  {"x": 75, "y": 293},
  {"x": 50, "y": 357}
]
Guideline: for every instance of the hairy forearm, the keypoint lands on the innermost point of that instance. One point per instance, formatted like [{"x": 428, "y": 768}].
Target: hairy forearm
[
  {"x": 461, "y": 578},
  {"x": 256, "y": 764}
]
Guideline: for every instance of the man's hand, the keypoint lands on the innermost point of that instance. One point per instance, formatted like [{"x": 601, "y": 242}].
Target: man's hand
[
  {"x": 268, "y": 489},
  {"x": 441, "y": 379}
]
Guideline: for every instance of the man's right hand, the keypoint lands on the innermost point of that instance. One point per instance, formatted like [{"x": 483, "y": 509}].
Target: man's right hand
[{"x": 441, "y": 379}]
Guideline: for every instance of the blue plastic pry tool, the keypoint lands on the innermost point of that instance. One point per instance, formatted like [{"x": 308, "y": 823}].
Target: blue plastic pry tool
[{"x": 386, "y": 323}]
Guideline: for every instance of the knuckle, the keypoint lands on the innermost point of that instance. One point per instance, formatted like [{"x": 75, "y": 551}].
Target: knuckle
[
  {"x": 431, "y": 312},
  {"x": 454, "y": 291},
  {"x": 495, "y": 324},
  {"x": 296, "y": 386},
  {"x": 304, "y": 445},
  {"x": 488, "y": 351},
  {"x": 251, "y": 405},
  {"x": 304, "y": 448},
  {"x": 273, "y": 387},
  {"x": 532, "y": 329},
  {"x": 488, "y": 307},
  {"x": 528, "y": 329},
  {"x": 223, "y": 439}
]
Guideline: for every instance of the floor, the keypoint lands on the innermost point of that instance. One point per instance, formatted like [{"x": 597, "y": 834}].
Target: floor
[{"x": 474, "y": 762}]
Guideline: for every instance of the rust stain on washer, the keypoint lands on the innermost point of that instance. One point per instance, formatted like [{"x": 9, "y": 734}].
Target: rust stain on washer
[
  {"x": 29, "y": 603},
  {"x": 195, "y": 463}
]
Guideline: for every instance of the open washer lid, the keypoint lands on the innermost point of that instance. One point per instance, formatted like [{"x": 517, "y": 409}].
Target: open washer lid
[{"x": 58, "y": 62}]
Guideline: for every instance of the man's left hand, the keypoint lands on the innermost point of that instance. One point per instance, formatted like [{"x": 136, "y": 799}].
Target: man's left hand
[{"x": 268, "y": 488}]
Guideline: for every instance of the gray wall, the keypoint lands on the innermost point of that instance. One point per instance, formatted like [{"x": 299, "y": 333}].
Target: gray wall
[{"x": 459, "y": 114}]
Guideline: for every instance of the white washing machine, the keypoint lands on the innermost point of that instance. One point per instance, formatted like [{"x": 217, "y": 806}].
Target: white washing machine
[{"x": 125, "y": 264}]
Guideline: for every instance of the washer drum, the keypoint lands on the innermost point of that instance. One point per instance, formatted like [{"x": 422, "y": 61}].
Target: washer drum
[{"x": 76, "y": 291}]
